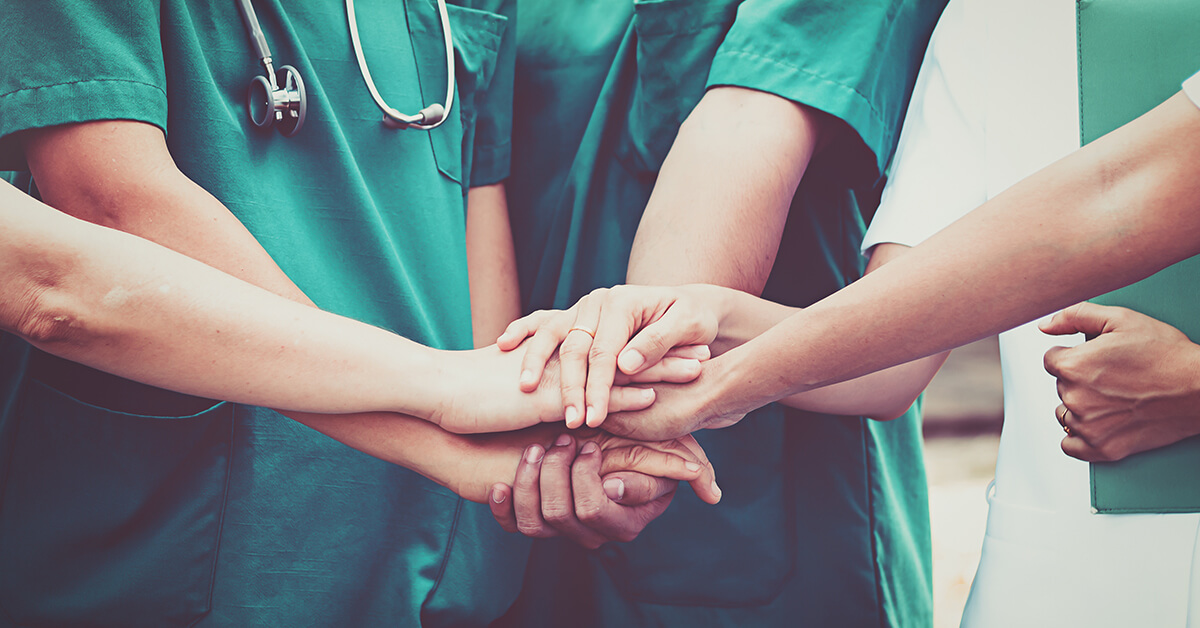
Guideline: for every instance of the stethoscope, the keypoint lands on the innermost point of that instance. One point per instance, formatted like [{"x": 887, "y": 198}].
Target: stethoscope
[{"x": 278, "y": 98}]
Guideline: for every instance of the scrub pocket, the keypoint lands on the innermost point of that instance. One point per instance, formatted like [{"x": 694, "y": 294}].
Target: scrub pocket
[
  {"x": 676, "y": 43},
  {"x": 110, "y": 518},
  {"x": 476, "y": 35}
]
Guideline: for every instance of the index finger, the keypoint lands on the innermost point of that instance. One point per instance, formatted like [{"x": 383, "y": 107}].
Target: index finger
[{"x": 612, "y": 332}]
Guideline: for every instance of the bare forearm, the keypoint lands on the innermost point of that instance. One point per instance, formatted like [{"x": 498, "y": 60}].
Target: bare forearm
[
  {"x": 1114, "y": 212},
  {"x": 130, "y": 307},
  {"x": 491, "y": 264},
  {"x": 721, "y": 199},
  {"x": 452, "y": 460}
]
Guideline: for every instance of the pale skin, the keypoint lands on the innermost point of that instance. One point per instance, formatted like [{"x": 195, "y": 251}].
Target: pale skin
[
  {"x": 750, "y": 149},
  {"x": 129, "y": 182},
  {"x": 491, "y": 264},
  {"x": 726, "y": 233},
  {"x": 1117, "y": 210}
]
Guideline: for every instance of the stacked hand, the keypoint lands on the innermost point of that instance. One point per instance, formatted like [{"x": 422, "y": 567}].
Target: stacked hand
[
  {"x": 592, "y": 353},
  {"x": 1134, "y": 386},
  {"x": 594, "y": 487},
  {"x": 614, "y": 334}
]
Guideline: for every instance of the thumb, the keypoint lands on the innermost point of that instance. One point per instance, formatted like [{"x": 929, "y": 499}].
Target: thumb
[
  {"x": 676, "y": 328},
  {"x": 1086, "y": 318},
  {"x": 630, "y": 488}
]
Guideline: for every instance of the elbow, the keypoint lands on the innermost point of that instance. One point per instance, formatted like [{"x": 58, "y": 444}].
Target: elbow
[
  {"x": 892, "y": 410},
  {"x": 49, "y": 319}
]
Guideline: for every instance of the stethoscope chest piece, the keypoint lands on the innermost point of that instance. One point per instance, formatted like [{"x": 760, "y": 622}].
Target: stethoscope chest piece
[
  {"x": 281, "y": 103},
  {"x": 277, "y": 98}
]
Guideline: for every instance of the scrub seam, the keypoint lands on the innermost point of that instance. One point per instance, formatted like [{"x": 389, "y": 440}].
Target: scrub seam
[
  {"x": 437, "y": 581},
  {"x": 81, "y": 81},
  {"x": 866, "y": 100},
  {"x": 868, "y": 467},
  {"x": 212, "y": 581}
]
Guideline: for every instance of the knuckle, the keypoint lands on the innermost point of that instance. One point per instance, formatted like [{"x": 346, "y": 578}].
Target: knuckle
[
  {"x": 596, "y": 353},
  {"x": 588, "y": 511},
  {"x": 556, "y": 511},
  {"x": 529, "y": 526}
]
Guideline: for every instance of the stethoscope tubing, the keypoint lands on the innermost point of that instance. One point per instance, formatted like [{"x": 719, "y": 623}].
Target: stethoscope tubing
[
  {"x": 290, "y": 99},
  {"x": 393, "y": 117}
]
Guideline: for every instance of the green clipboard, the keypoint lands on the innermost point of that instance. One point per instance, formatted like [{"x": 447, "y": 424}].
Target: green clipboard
[{"x": 1133, "y": 54}]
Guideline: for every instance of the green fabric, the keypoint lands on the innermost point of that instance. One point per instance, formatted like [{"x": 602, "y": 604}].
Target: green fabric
[
  {"x": 237, "y": 516},
  {"x": 824, "y": 520},
  {"x": 1133, "y": 54}
]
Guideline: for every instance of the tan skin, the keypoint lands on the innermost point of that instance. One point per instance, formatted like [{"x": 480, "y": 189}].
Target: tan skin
[
  {"x": 726, "y": 232},
  {"x": 120, "y": 174},
  {"x": 1117, "y": 210},
  {"x": 1135, "y": 386}
]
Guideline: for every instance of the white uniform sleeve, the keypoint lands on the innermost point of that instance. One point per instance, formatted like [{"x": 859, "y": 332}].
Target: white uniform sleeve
[
  {"x": 938, "y": 172},
  {"x": 1191, "y": 87}
]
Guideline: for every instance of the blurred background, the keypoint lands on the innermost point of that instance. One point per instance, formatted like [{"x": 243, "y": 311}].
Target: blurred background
[{"x": 964, "y": 409}]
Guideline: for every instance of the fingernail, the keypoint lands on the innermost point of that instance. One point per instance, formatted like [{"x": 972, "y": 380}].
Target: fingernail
[
  {"x": 692, "y": 466},
  {"x": 716, "y": 489},
  {"x": 534, "y": 454},
  {"x": 562, "y": 441},
  {"x": 631, "y": 360},
  {"x": 615, "y": 489},
  {"x": 589, "y": 447},
  {"x": 571, "y": 415},
  {"x": 591, "y": 416},
  {"x": 647, "y": 393},
  {"x": 498, "y": 496},
  {"x": 527, "y": 377}
]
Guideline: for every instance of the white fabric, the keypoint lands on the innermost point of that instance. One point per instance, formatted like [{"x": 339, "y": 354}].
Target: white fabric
[
  {"x": 1191, "y": 87},
  {"x": 997, "y": 100}
]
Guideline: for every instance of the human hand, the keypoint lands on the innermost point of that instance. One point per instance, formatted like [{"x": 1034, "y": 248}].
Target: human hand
[
  {"x": 604, "y": 488},
  {"x": 648, "y": 333},
  {"x": 1133, "y": 387},
  {"x": 680, "y": 409},
  {"x": 477, "y": 393}
]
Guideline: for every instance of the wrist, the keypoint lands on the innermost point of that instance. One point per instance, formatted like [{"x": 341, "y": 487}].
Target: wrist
[
  {"x": 723, "y": 393},
  {"x": 487, "y": 459},
  {"x": 433, "y": 371}
]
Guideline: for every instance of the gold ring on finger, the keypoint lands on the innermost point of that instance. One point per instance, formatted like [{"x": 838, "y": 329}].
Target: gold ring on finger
[{"x": 584, "y": 330}]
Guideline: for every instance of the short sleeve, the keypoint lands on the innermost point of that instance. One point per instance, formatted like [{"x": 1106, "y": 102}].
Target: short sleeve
[
  {"x": 491, "y": 144},
  {"x": 68, "y": 62},
  {"x": 1191, "y": 87},
  {"x": 938, "y": 174},
  {"x": 854, "y": 60}
]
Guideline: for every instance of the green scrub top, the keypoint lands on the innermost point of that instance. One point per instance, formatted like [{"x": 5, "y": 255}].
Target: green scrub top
[
  {"x": 824, "y": 520},
  {"x": 140, "y": 513}
]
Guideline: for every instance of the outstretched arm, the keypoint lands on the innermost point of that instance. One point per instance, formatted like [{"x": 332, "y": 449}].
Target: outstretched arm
[
  {"x": 120, "y": 174},
  {"x": 129, "y": 306},
  {"x": 1117, "y": 210}
]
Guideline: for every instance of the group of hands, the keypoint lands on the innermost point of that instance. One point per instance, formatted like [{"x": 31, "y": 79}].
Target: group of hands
[
  {"x": 602, "y": 398},
  {"x": 624, "y": 369}
]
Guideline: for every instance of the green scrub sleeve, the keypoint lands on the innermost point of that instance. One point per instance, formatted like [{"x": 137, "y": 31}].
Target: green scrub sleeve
[
  {"x": 486, "y": 47},
  {"x": 67, "y": 62},
  {"x": 493, "y": 127},
  {"x": 854, "y": 60}
]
